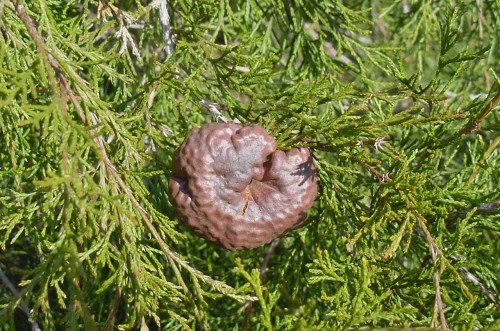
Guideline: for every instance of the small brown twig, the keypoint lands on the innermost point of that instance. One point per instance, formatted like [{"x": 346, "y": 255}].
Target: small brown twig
[
  {"x": 22, "y": 306},
  {"x": 110, "y": 321},
  {"x": 487, "y": 208},
  {"x": 40, "y": 45},
  {"x": 437, "y": 257},
  {"x": 474, "y": 123},
  {"x": 474, "y": 280},
  {"x": 434, "y": 250},
  {"x": 267, "y": 257}
]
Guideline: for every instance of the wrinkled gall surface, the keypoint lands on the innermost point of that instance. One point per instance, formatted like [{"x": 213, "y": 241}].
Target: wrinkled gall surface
[{"x": 232, "y": 187}]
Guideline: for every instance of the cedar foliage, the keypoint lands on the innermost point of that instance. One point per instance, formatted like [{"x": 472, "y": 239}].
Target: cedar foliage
[{"x": 397, "y": 99}]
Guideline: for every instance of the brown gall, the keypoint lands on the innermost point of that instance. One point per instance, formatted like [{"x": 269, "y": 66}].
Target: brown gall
[{"x": 232, "y": 187}]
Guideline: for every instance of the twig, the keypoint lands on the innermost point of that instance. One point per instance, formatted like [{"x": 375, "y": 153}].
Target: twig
[
  {"x": 110, "y": 321},
  {"x": 471, "y": 126},
  {"x": 488, "y": 208},
  {"x": 434, "y": 250},
  {"x": 125, "y": 21},
  {"x": 214, "y": 109},
  {"x": 474, "y": 280},
  {"x": 6, "y": 281},
  {"x": 381, "y": 177},
  {"x": 164, "y": 17},
  {"x": 267, "y": 257},
  {"x": 40, "y": 45},
  {"x": 435, "y": 253},
  {"x": 327, "y": 45},
  {"x": 474, "y": 123},
  {"x": 165, "y": 25}
]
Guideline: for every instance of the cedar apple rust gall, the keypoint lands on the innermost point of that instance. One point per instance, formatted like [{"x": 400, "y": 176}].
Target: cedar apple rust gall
[{"x": 232, "y": 187}]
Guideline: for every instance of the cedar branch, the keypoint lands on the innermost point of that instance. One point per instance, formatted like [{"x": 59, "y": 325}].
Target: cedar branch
[{"x": 104, "y": 158}]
